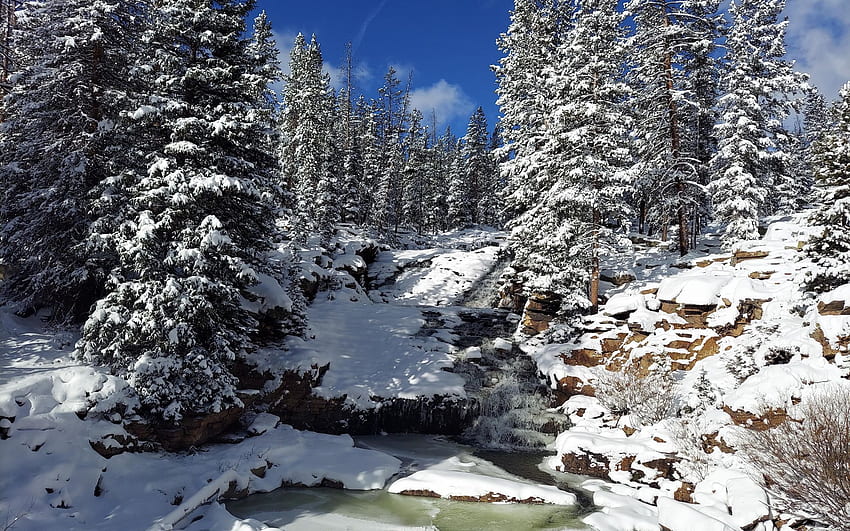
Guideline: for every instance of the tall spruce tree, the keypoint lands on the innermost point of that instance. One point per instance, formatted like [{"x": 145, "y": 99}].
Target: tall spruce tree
[
  {"x": 671, "y": 78},
  {"x": 62, "y": 140},
  {"x": 759, "y": 85},
  {"x": 309, "y": 156},
  {"x": 830, "y": 250},
  {"x": 558, "y": 241},
  {"x": 202, "y": 218}
]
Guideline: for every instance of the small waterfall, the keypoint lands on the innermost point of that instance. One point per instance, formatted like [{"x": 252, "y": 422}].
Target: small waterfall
[
  {"x": 485, "y": 292},
  {"x": 513, "y": 402}
]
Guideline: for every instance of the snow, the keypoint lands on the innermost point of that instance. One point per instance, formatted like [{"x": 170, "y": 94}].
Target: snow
[
  {"x": 621, "y": 513},
  {"x": 441, "y": 280},
  {"x": 775, "y": 386},
  {"x": 269, "y": 294},
  {"x": 449, "y": 483},
  {"x": 671, "y": 514},
  {"x": 373, "y": 351},
  {"x": 50, "y": 470},
  {"x": 841, "y": 293}
]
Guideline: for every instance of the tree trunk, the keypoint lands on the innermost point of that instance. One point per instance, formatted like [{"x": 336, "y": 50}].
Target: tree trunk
[
  {"x": 593, "y": 292},
  {"x": 675, "y": 142}
]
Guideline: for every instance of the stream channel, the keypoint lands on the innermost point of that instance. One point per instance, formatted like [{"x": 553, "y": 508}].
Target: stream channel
[
  {"x": 508, "y": 440},
  {"x": 336, "y": 509}
]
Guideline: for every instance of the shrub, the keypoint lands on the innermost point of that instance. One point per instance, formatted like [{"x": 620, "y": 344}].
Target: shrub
[
  {"x": 806, "y": 464},
  {"x": 647, "y": 399}
]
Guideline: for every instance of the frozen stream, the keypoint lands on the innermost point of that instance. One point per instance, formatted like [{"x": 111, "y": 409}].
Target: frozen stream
[{"x": 334, "y": 509}]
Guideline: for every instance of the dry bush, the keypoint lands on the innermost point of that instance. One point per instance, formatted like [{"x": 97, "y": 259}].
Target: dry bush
[
  {"x": 647, "y": 400},
  {"x": 806, "y": 465}
]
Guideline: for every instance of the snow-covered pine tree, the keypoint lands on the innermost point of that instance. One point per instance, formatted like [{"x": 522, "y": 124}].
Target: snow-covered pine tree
[
  {"x": 490, "y": 207},
  {"x": 62, "y": 138},
  {"x": 458, "y": 205},
  {"x": 759, "y": 85},
  {"x": 560, "y": 239},
  {"x": 309, "y": 155},
  {"x": 349, "y": 145},
  {"x": 477, "y": 172},
  {"x": 830, "y": 250},
  {"x": 672, "y": 39},
  {"x": 445, "y": 155},
  {"x": 817, "y": 118},
  {"x": 415, "y": 174},
  {"x": 701, "y": 67},
  {"x": 528, "y": 45},
  {"x": 202, "y": 217},
  {"x": 392, "y": 114},
  {"x": 368, "y": 143}
]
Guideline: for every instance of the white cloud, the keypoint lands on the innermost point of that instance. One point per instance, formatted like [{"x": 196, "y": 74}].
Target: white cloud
[
  {"x": 360, "y": 74},
  {"x": 446, "y": 100},
  {"x": 284, "y": 41},
  {"x": 819, "y": 38}
]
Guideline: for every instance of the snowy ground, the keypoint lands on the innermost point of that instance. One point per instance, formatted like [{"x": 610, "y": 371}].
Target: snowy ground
[
  {"x": 53, "y": 479},
  {"x": 637, "y": 319}
]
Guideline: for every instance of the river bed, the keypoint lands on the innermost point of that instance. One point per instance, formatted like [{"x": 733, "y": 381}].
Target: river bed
[{"x": 335, "y": 509}]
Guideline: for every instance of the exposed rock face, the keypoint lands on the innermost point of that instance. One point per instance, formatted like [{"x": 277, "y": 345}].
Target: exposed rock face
[
  {"x": 572, "y": 386},
  {"x": 596, "y": 465},
  {"x": 763, "y": 422},
  {"x": 586, "y": 464},
  {"x": 540, "y": 310},
  {"x": 438, "y": 414},
  {"x": 833, "y": 308},
  {"x": 741, "y": 256},
  {"x": 617, "y": 278},
  {"x": 192, "y": 431}
]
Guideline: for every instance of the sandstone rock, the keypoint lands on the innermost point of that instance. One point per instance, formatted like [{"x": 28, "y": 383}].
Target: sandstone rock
[
  {"x": 749, "y": 310},
  {"x": 613, "y": 344},
  {"x": 685, "y": 493},
  {"x": 763, "y": 422},
  {"x": 572, "y": 386},
  {"x": 696, "y": 350},
  {"x": 617, "y": 278},
  {"x": 539, "y": 311},
  {"x": 586, "y": 464},
  {"x": 833, "y": 308},
  {"x": 710, "y": 441},
  {"x": 584, "y": 357},
  {"x": 490, "y": 497},
  {"x": 192, "y": 431},
  {"x": 741, "y": 256},
  {"x": 828, "y": 351},
  {"x": 762, "y": 275}
]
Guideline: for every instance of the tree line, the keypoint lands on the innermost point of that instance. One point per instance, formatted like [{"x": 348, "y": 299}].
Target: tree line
[
  {"x": 156, "y": 189},
  {"x": 658, "y": 115}
]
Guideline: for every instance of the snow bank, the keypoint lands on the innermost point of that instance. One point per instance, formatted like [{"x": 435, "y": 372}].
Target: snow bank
[
  {"x": 449, "y": 484},
  {"x": 775, "y": 386},
  {"x": 373, "y": 351}
]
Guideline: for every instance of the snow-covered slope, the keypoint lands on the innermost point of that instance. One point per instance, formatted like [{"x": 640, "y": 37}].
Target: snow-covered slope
[{"x": 742, "y": 345}]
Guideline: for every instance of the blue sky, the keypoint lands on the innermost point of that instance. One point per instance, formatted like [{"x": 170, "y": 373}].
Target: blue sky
[{"x": 449, "y": 45}]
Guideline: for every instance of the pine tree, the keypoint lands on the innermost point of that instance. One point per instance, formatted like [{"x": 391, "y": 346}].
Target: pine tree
[
  {"x": 524, "y": 101},
  {"x": 202, "y": 219},
  {"x": 490, "y": 207},
  {"x": 757, "y": 97},
  {"x": 671, "y": 78},
  {"x": 830, "y": 250},
  {"x": 415, "y": 174},
  {"x": 392, "y": 114},
  {"x": 62, "y": 140},
  {"x": 477, "y": 168},
  {"x": 309, "y": 156},
  {"x": 368, "y": 142}
]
